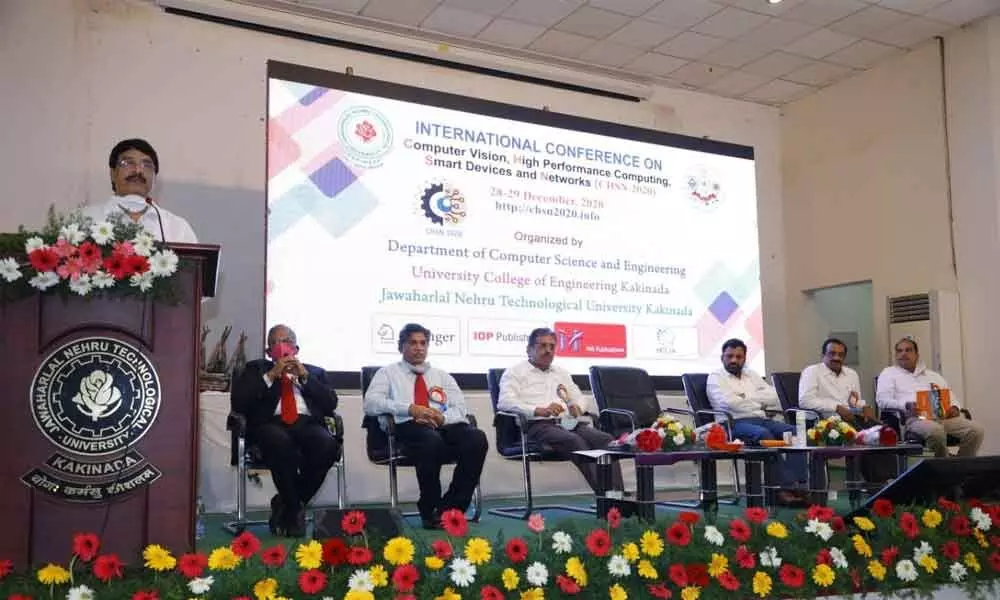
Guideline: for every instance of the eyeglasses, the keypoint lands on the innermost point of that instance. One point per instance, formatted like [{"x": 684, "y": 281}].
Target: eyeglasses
[{"x": 144, "y": 164}]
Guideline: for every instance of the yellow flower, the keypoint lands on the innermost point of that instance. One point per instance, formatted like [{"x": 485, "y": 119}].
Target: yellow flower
[
  {"x": 761, "y": 584},
  {"x": 928, "y": 562},
  {"x": 223, "y": 559},
  {"x": 158, "y": 558},
  {"x": 533, "y": 594},
  {"x": 776, "y": 529},
  {"x": 477, "y": 551},
  {"x": 359, "y": 595},
  {"x": 448, "y": 594},
  {"x": 651, "y": 543},
  {"x": 980, "y": 538},
  {"x": 691, "y": 593},
  {"x": 309, "y": 555},
  {"x": 719, "y": 565},
  {"x": 823, "y": 575},
  {"x": 861, "y": 546},
  {"x": 576, "y": 571},
  {"x": 617, "y": 592},
  {"x": 380, "y": 577},
  {"x": 931, "y": 518},
  {"x": 877, "y": 570},
  {"x": 265, "y": 589},
  {"x": 510, "y": 579},
  {"x": 433, "y": 563},
  {"x": 398, "y": 551},
  {"x": 972, "y": 562},
  {"x": 52, "y": 574},
  {"x": 864, "y": 523},
  {"x": 631, "y": 552},
  {"x": 647, "y": 570}
]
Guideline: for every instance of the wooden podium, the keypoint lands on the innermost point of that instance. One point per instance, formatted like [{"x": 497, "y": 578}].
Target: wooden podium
[{"x": 100, "y": 418}]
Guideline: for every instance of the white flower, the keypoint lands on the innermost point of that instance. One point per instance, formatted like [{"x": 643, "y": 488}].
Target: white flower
[
  {"x": 713, "y": 535},
  {"x": 163, "y": 263},
  {"x": 981, "y": 519},
  {"x": 679, "y": 439},
  {"x": 562, "y": 543},
  {"x": 618, "y": 566},
  {"x": 537, "y": 574},
  {"x": 834, "y": 434},
  {"x": 102, "y": 280},
  {"x": 143, "y": 281},
  {"x": 201, "y": 585},
  {"x": 957, "y": 572},
  {"x": 32, "y": 244},
  {"x": 361, "y": 580},
  {"x": 143, "y": 243},
  {"x": 44, "y": 281},
  {"x": 924, "y": 549},
  {"x": 820, "y": 528},
  {"x": 838, "y": 558},
  {"x": 82, "y": 286},
  {"x": 769, "y": 557},
  {"x": 82, "y": 592},
  {"x": 463, "y": 573},
  {"x": 905, "y": 570},
  {"x": 9, "y": 270},
  {"x": 102, "y": 232},
  {"x": 72, "y": 233}
]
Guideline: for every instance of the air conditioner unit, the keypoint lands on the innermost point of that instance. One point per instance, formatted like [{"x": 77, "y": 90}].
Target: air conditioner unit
[{"x": 933, "y": 320}]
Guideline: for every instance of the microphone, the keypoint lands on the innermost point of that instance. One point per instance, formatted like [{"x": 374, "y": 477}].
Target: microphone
[{"x": 159, "y": 218}]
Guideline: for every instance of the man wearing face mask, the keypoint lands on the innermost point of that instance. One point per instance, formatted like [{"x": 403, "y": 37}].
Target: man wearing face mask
[
  {"x": 285, "y": 403},
  {"x": 134, "y": 166}
]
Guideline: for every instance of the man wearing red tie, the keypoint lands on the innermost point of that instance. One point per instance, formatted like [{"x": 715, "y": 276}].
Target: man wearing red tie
[
  {"x": 285, "y": 403},
  {"x": 431, "y": 424}
]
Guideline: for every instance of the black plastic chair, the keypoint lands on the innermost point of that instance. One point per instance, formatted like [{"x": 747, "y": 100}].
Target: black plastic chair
[
  {"x": 248, "y": 462},
  {"x": 512, "y": 443},
  {"x": 383, "y": 449},
  {"x": 786, "y": 384},
  {"x": 896, "y": 419},
  {"x": 696, "y": 391},
  {"x": 626, "y": 399}
]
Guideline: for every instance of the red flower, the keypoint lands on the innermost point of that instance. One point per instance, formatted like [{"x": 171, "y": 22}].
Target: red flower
[
  {"x": 359, "y": 556},
  {"x": 994, "y": 560},
  {"x": 688, "y": 518},
  {"x": 18, "y": 597},
  {"x": 43, "y": 259},
  {"x": 6, "y": 566},
  {"x": 729, "y": 581},
  {"x": 353, "y": 522},
  {"x": 698, "y": 574},
  {"x": 659, "y": 590},
  {"x": 883, "y": 508},
  {"x": 889, "y": 555},
  {"x": 192, "y": 565},
  {"x": 648, "y": 441},
  {"x": 442, "y": 549},
  {"x": 334, "y": 552},
  {"x": 405, "y": 577},
  {"x": 947, "y": 505},
  {"x": 823, "y": 557},
  {"x": 123, "y": 249},
  {"x": 820, "y": 513},
  {"x": 599, "y": 542},
  {"x": 517, "y": 550},
  {"x": 245, "y": 545},
  {"x": 739, "y": 530},
  {"x": 745, "y": 558},
  {"x": 116, "y": 267},
  {"x": 950, "y": 550},
  {"x": 908, "y": 523},
  {"x": 137, "y": 264},
  {"x": 489, "y": 592},
  {"x": 837, "y": 523},
  {"x": 792, "y": 576},
  {"x": 614, "y": 517},
  {"x": 90, "y": 255},
  {"x": 454, "y": 523},
  {"x": 107, "y": 567},
  {"x": 678, "y": 574},
  {"x": 755, "y": 515},
  {"x": 85, "y": 546},
  {"x": 959, "y": 525},
  {"x": 566, "y": 585},
  {"x": 146, "y": 595},
  {"x": 312, "y": 581},
  {"x": 974, "y": 503},
  {"x": 678, "y": 534},
  {"x": 275, "y": 555}
]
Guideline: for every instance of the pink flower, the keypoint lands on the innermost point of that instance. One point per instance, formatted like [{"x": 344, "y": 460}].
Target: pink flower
[
  {"x": 536, "y": 523},
  {"x": 64, "y": 249},
  {"x": 71, "y": 269}
]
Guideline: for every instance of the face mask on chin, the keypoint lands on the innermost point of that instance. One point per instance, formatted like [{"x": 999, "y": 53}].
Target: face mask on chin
[{"x": 131, "y": 202}]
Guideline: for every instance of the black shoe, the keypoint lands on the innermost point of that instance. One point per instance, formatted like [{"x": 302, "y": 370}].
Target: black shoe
[
  {"x": 296, "y": 526},
  {"x": 431, "y": 522},
  {"x": 276, "y": 523}
]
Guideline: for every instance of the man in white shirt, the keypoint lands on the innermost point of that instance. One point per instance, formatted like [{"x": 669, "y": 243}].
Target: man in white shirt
[
  {"x": 431, "y": 423},
  {"x": 897, "y": 388},
  {"x": 546, "y": 395},
  {"x": 830, "y": 387},
  {"x": 748, "y": 398},
  {"x": 134, "y": 166}
]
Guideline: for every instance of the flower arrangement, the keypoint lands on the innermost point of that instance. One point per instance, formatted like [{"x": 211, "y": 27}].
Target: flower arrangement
[
  {"x": 816, "y": 553},
  {"x": 832, "y": 431},
  {"x": 75, "y": 254},
  {"x": 665, "y": 434}
]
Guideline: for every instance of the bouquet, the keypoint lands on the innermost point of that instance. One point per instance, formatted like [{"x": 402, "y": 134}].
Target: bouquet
[
  {"x": 665, "y": 434},
  {"x": 832, "y": 431}
]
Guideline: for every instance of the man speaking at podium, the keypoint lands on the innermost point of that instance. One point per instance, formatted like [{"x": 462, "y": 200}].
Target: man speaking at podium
[{"x": 134, "y": 166}]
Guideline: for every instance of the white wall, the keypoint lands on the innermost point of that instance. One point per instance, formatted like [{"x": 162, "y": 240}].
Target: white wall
[{"x": 88, "y": 73}]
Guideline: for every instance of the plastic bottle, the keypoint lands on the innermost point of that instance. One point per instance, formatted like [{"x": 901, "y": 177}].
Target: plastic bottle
[
  {"x": 801, "y": 440},
  {"x": 199, "y": 524}
]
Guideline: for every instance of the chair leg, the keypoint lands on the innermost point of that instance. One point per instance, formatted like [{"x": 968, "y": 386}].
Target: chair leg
[
  {"x": 393, "y": 486},
  {"x": 342, "y": 484},
  {"x": 526, "y": 510}
]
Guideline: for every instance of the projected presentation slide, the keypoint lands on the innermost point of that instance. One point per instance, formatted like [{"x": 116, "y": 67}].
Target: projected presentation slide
[{"x": 483, "y": 221}]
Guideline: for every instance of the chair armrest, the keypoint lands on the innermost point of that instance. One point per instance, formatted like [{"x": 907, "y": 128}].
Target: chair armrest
[
  {"x": 810, "y": 414},
  {"x": 718, "y": 413},
  {"x": 237, "y": 423},
  {"x": 472, "y": 420},
  {"x": 335, "y": 424},
  {"x": 965, "y": 412},
  {"x": 521, "y": 420},
  {"x": 620, "y": 411},
  {"x": 673, "y": 410}
]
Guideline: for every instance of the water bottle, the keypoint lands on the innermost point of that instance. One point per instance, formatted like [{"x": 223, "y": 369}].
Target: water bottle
[
  {"x": 199, "y": 524},
  {"x": 801, "y": 438}
]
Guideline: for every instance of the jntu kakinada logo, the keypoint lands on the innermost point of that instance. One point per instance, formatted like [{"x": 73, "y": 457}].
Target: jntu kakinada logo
[
  {"x": 365, "y": 136},
  {"x": 704, "y": 189},
  {"x": 442, "y": 204}
]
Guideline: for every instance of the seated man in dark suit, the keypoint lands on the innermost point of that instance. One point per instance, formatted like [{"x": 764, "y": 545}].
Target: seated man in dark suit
[
  {"x": 431, "y": 423},
  {"x": 285, "y": 403}
]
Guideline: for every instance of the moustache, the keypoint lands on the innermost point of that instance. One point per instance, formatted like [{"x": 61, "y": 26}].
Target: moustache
[{"x": 136, "y": 177}]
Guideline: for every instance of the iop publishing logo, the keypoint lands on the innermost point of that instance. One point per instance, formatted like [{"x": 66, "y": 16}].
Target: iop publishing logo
[{"x": 442, "y": 204}]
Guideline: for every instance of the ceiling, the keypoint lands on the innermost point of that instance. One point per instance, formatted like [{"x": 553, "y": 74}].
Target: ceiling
[{"x": 746, "y": 49}]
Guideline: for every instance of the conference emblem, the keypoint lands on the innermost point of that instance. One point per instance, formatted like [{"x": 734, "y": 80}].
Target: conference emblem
[
  {"x": 438, "y": 398},
  {"x": 365, "y": 136},
  {"x": 442, "y": 204},
  {"x": 93, "y": 399},
  {"x": 703, "y": 189}
]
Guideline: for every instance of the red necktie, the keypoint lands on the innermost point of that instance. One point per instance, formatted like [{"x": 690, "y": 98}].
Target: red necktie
[
  {"x": 289, "y": 412},
  {"x": 420, "y": 391}
]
